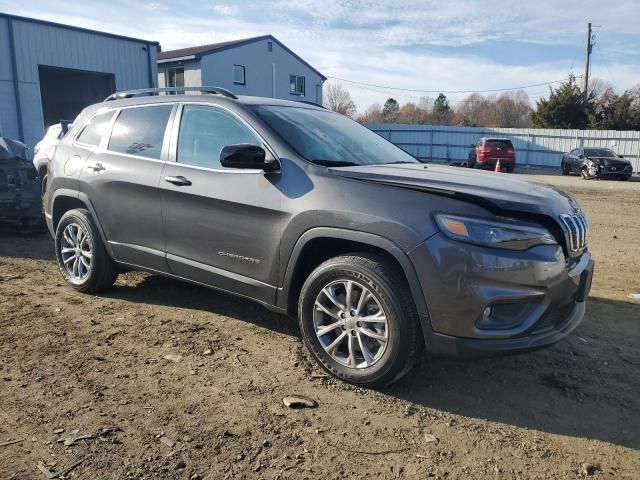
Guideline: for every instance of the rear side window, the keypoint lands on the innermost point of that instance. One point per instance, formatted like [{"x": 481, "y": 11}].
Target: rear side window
[
  {"x": 92, "y": 134},
  {"x": 140, "y": 131},
  {"x": 499, "y": 144},
  {"x": 205, "y": 131}
]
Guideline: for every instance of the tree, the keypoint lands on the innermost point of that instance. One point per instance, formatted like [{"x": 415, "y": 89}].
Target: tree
[
  {"x": 413, "y": 114},
  {"x": 339, "y": 100},
  {"x": 390, "y": 110},
  {"x": 373, "y": 114},
  {"x": 617, "y": 112},
  {"x": 441, "y": 111},
  {"x": 566, "y": 107}
]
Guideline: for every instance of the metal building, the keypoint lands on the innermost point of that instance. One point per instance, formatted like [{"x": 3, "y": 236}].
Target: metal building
[
  {"x": 261, "y": 66},
  {"x": 49, "y": 72}
]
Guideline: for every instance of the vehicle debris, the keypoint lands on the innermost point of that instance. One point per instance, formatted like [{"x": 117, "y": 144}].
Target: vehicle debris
[
  {"x": 167, "y": 441},
  {"x": 173, "y": 358},
  {"x": 10, "y": 442},
  {"x": 296, "y": 402},
  {"x": 51, "y": 475}
]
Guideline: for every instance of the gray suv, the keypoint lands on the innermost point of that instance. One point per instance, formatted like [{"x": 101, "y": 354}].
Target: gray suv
[{"x": 315, "y": 216}]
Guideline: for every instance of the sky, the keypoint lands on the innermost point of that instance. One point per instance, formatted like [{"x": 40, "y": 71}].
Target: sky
[{"x": 410, "y": 45}]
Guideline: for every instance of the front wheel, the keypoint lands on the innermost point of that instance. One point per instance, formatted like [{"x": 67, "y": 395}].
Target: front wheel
[
  {"x": 359, "y": 321},
  {"x": 82, "y": 257}
]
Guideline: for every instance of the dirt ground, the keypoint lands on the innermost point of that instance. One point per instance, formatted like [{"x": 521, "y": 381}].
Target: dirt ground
[{"x": 94, "y": 365}]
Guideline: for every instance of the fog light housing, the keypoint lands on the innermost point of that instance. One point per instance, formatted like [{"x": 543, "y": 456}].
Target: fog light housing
[{"x": 505, "y": 316}]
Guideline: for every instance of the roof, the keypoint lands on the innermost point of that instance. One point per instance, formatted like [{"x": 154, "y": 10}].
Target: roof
[
  {"x": 201, "y": 50},
  {"x": 74, "y": 28}
]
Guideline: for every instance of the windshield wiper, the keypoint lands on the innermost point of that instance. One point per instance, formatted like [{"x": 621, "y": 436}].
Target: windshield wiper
[
  {"x": 334, "y": 163},
  {"x": 398, "y": 163}
]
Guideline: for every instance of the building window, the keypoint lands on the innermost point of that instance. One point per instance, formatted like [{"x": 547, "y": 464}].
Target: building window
[
  {"x": 296, "y": 84},
  {"x": 175, "y": 77},
  {"x": 270, "y": 46},
  {"x": 238, "y": 75}
]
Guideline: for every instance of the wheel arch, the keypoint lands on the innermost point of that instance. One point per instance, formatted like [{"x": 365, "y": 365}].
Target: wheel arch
[
  {"x": 321, "y": 243},
  {"x": 65, "y": 200}
]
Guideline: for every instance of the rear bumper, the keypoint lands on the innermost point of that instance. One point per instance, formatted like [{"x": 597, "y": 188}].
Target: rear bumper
[
  {"x": 485, "y": 302},
  {"x": 490, "y": 163}
]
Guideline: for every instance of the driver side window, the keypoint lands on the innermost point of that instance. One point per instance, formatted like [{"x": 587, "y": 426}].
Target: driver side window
[{"x": 205, "y": 131}]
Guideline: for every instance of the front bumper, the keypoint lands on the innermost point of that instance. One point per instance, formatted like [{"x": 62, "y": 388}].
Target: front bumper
[{"x": 485, "y": 301}]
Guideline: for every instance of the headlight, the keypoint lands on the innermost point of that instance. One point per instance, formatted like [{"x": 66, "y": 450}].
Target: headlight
[{"x": 490, "y": 233}]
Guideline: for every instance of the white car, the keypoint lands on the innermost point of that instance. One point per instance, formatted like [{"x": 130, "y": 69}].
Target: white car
[{"x": 45, "y": 149}]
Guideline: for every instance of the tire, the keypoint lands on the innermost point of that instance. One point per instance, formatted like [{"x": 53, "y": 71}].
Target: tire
[
  {"x": 95, "y": 271},
  {"x": 389, "y": 295},
  {"x": 565, "y": 169}
]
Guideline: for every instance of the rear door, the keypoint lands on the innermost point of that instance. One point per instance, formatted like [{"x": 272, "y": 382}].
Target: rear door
[
  {"x": 121, "y": 180},
  {"x": 222, "y": 225}
]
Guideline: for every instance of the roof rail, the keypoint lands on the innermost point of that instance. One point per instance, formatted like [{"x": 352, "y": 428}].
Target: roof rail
[
  {"x": 311, "y": 103},
  {"x": 175, "y": 90}
]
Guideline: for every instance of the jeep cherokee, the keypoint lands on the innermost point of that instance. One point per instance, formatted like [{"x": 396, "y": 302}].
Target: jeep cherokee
[{"x": 315, "y": 216}]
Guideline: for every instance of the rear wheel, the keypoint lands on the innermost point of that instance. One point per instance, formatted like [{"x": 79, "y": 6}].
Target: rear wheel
[
  {"x": 82, "y": 257},
  {"x": 565, "y": 169},
  {"x": 359, "y": 321}
]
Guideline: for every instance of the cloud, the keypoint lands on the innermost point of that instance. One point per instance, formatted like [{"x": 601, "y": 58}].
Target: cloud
[{"x": 416, "y": 44}]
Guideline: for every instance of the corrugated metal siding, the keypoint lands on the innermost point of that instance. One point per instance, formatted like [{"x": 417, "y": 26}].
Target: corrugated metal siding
[
  {"x": 40, "y": 44},
  {"x": 534, "y": 146}
]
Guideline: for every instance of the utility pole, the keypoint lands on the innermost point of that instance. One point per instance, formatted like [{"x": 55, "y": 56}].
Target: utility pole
[{"x": 587, "y": 63}]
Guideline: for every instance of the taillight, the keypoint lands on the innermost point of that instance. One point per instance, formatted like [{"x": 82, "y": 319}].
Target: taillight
[{"x": 482, "y": 152}]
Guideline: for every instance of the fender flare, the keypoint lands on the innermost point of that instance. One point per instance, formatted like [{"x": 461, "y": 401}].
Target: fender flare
[
  {"x": 361, "y": 237},
  {"x": 84, "y": 199}
]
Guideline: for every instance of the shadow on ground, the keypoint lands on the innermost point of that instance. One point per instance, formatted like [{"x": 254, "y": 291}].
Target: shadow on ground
[{"x": 159, "y": 290}]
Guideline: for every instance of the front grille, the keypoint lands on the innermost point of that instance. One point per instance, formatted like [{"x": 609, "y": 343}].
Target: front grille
[{"x": 576, "y": 229}]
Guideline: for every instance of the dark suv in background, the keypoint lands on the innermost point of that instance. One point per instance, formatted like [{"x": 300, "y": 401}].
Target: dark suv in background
[
  {"x": 596, "y": 162},
  {"x": 314, "y": 215},
  {"x": 486, "y": 153}
]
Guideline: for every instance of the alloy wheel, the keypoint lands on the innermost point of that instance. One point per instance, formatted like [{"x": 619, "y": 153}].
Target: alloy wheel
[
  {"x": 350, "y": 324},
  {"x": 76, "y": 252}
]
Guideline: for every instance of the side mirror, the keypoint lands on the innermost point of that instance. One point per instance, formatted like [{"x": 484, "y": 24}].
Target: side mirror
[
  {"x": 581, "y": 156},
  {"x": 244, "y": 155},
  {"x": 472, "y": 145}
]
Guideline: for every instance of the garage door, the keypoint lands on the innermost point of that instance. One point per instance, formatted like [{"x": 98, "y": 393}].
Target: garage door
[{"x": 65, "y": 92}]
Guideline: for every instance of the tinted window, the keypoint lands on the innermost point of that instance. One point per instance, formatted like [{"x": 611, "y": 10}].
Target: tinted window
[
  {"x": 92, "y": 134},
  {"x": 330, "y": 139},
  {"x": 140, "y": 131},
  {"x": 204, "y": 131},
  {"x": 499, "y": 144}
]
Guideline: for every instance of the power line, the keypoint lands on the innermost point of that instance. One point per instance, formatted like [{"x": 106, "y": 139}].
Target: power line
[{"x": 386, "y": 87}]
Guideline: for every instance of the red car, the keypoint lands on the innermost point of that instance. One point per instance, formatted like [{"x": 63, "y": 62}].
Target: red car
[{"x": 487, "y": 151}]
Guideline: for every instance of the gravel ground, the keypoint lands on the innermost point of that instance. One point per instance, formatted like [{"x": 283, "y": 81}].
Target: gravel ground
[{"x": 95, "y": 366}]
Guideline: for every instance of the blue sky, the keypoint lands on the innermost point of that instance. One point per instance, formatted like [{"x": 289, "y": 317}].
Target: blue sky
[{"x": 449, "y": 45}]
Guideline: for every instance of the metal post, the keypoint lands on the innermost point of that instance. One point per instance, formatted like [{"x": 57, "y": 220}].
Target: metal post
[
  {"x": 16, "y": 87},
  {"x": 586, "y": 64}
]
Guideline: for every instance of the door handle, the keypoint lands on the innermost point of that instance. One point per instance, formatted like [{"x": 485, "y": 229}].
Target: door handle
[
  {"x": 95, "y": 166},
  {"x": 179, "y": 181}
]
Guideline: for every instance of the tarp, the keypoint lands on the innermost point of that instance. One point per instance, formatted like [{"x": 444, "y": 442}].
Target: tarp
[{"x": 11, "y": 149}]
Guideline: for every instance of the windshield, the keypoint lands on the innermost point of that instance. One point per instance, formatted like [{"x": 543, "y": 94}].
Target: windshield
[
  {"x": 599, "y": 152},
  {"x": 330, "y": 139}
]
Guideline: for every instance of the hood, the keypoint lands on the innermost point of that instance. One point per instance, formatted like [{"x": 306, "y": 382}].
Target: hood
[
  {"x": 500, "y": 193},
  {"x": 610, "y": 160}
]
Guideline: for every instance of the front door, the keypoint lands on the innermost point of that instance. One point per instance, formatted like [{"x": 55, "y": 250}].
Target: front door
[{"x": 222, "y": 226}]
